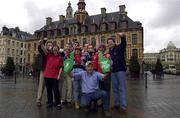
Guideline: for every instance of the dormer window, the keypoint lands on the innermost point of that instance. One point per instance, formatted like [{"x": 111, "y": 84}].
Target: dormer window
[
  {"x": 124, "y": 24},
  {"x": 104, "y": 27},
  {"x": 113, "y": 25},
  {"x": 84, "y": 29},
  {"x": 93, "y": 28}
]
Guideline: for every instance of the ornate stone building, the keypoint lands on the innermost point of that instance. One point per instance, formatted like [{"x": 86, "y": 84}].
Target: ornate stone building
[
  {"x": 170, "y": 55},
  {"x": 151, "y": 58},
  {"x": 94, "y": 29},
  {"x": 12, "y": 44}
]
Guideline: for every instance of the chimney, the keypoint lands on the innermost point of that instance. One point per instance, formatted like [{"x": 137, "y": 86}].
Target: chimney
[
  {"x": 103, "y": 12},
  {"x": 61, "y": 18},
  {"x": 48, "y": 20},
  {"x": 122, "y": 9}
]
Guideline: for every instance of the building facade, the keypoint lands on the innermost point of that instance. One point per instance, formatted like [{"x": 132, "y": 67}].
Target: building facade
[
  {"x": 170, "y": 55},
  {"x": 151, "y": 58},
  {"x": 12, "y": 44},
  {"x": 94, "y": 29}
]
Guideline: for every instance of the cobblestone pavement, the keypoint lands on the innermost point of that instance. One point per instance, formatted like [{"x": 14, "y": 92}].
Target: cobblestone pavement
[{"x": 160, "y": 100}]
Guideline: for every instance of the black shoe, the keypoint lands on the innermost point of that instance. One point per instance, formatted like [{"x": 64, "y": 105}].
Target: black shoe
[{"x": 59, "y": 107}]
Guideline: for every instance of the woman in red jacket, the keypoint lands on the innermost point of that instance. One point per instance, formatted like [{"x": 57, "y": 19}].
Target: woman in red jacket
[{"x": 52, "y": 75}]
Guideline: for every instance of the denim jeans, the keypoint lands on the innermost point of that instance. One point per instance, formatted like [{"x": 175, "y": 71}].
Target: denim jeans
[
  {"x": 119, "y": 88},
  {"x": 76, "y": 86},
  {"x": 86, "y": 98}
]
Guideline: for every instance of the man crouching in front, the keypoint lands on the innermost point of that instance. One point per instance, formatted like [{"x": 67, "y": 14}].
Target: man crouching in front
[{"x": 90, "y": 88}]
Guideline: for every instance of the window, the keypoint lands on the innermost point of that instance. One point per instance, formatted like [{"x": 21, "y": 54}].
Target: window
[
  {"x": 103, "y": 27},
  {"x": 103, "y": 40},
  {"x": 21, "y": 45},
  {"x": 21, "y": 60},
  {"x": 17, "y": 52},
  {"x": 13, "y": 43},
  {"x": 84, "y": 29},
  {"x": 93, "y": 42},
  {"x": 52, "y": 34},
  {"x": 93, "y": 28},
  {"x": 34, "y": 46},
  {"x": 29, "y": 46},
  {"x": 17, "y": 44},
  {"x": 21, "y": 52},
  {"x": 28, "y": 58},
  {"x": 17, "y": 61},
  {"x": 9, "y": 42},
  {"x": 135, "y": 52},
  {"x": 12, "y": 51},
  {"x": 58, "y": 32},
  {"x": 84, "y": 41},
  {"x": 8, "y": 51},
  {"x": 134, "y": 39},
  {"x": 113, "y": 26},
  {"x": 72, "y": 31},
  {"x": 62, "y": 43},
  {"x": 44, "y": 34}
]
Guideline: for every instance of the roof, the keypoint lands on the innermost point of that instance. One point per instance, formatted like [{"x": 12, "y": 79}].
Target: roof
[
  {"x": 16, "y": 33},
  {"x": 94, "y": 19}
]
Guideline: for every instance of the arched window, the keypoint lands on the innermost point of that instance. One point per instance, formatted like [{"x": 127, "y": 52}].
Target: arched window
[
  {"x": 28, "y": 58},
  {"x": 93, "y": 42},
  {"x": 62, "y": 43},
  {"x": 84, "y": 41},
  {"x": 134, "y": 39},
  {"x": 135, "y": 52},
  {"x": 103, "y": 40}
]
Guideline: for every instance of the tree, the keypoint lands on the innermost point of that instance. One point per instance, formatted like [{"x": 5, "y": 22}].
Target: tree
[
  {"x": 134, "y": 67},
  {"x": 9, "y": 67}
]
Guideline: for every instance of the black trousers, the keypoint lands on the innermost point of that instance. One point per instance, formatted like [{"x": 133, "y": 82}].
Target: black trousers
[{"x": 52, "y": 87}]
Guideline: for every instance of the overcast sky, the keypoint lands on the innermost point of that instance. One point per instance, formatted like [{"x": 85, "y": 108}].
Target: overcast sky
[{"x": 160, "y": 18}]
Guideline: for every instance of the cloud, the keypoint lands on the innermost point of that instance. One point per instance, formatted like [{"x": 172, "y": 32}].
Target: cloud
[
  {"x": 160, "y": 18},
  {"x": 168, "y": 14},
  {"x": 36, "y": 15}
]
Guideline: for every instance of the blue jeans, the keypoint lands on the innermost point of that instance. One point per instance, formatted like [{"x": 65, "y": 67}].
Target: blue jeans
[
  {"x": 119, "y": 88},
  {"x": 86, "y": 98},
  {"x": 76, "y": 86}
]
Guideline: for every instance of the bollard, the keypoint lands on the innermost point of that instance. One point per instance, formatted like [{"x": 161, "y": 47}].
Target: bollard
[
  {"x": 15, "y": 77},
  {"x": 146, "y": 80}
]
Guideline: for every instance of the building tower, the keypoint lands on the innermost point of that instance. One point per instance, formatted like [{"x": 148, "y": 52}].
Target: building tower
[
  {"x": 81, "y": 14},
  {"x": 69, "y": 11}
]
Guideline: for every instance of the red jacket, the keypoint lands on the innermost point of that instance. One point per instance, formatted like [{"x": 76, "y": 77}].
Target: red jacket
[{"x": 53, "y": 65}]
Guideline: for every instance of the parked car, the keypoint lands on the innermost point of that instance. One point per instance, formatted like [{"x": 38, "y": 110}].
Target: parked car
[{"x": 171, "y": 69}]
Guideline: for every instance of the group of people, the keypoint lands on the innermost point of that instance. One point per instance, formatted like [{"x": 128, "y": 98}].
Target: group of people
[{"x": 86, "y": 83}]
